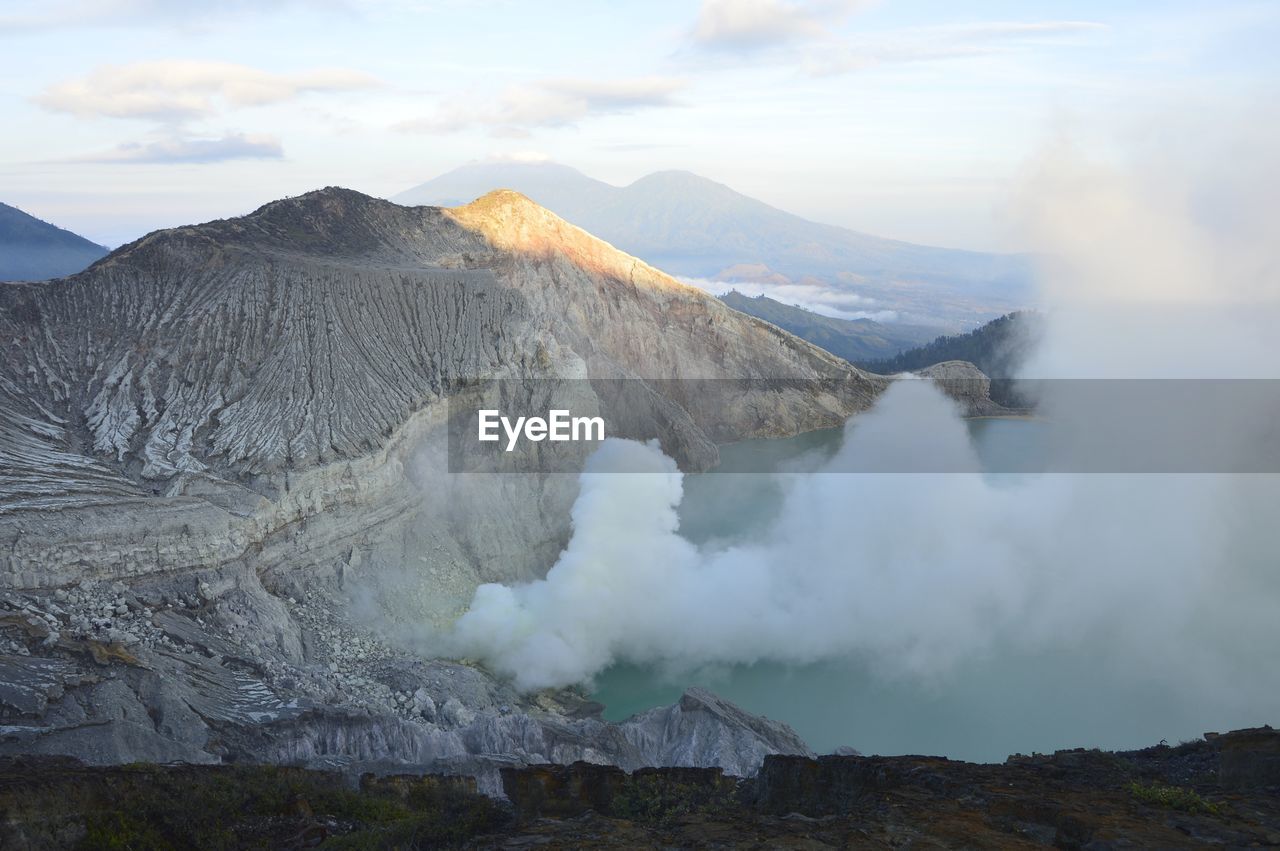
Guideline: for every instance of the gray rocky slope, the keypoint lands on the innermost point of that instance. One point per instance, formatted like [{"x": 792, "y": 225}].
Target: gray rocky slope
[{"x": 226, "y": 527}]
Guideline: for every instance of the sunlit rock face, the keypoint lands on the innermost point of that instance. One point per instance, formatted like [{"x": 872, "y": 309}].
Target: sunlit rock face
[{"x": 222, "y": 445}]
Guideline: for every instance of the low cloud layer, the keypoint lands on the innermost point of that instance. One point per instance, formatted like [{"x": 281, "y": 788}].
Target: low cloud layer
[{"x": 818, "y": 297}]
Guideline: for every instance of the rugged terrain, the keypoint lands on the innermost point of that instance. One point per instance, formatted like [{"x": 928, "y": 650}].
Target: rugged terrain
[
  {"x": 1222, "y": 790},
  {"x": 257, "y": 371},
  {"x": 227, "y": 531}
]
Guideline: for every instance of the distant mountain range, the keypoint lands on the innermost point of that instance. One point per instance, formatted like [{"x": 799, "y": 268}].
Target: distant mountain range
[
  {"x": 697, "y": 228},
  {"x": 851, "y": 339},
  {"x": 34, "y": 250}
]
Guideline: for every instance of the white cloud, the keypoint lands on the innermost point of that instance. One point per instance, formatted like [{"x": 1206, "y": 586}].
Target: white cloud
[
  {"x": 805, "y": 33},
  {"x": 233, "y": 146},
  {"x": 44, "y": 15},
  {"x": 176, "y": 90},
  {"x": 755, "y": 24},
  {"x": 949, "y": 42},
  {"x": 1026, "y": 29},
  {"x": 551, "y": 103}
]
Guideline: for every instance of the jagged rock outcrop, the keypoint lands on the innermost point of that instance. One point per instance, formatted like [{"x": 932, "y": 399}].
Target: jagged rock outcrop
[
  {"x": 1249, "y": 758},
  {"x": 215, "y": 669},
  {"x": 702, "y": 729},
  {"x": 966, "y": 384}
]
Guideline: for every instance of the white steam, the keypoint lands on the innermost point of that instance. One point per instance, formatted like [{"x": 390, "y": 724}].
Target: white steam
[
  {"x": 912, "y": 572},
  {"x": 832, "y": 579},
  {"x": 1174, "y": 575}
]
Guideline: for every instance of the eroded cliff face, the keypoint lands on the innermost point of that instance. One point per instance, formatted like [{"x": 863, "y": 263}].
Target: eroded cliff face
[
  {"x": 232, "y": 380},
  {"x": 226, "y": 528}
]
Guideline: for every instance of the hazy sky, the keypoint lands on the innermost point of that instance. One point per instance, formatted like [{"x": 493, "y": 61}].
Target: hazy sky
[{"x": 906, "y": 119}]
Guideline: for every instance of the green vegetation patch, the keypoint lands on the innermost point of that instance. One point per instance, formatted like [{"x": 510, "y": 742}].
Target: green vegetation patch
[{"x": 1174, "y": 798}]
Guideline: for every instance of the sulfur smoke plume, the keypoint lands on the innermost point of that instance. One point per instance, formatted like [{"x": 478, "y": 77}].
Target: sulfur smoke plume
[{"x": 1174, "y": 575}]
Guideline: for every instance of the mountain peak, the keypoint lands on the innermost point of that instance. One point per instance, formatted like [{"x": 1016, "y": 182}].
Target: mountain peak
[
  {"x": 329, "y": 201},
  {"x": 676, "y": 184},
  {"x": 677, "y": 177},
  {"x": 504, "y": 202},
  {"x": 527, "y": 167},
  {"x": 332, "y": 220},
  {"x": 511, "y": 221},
  {"x": 551, "y": 184}
]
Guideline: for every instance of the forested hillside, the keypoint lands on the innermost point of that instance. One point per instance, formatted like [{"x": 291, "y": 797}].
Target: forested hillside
[{"x": 998, "y": 348}]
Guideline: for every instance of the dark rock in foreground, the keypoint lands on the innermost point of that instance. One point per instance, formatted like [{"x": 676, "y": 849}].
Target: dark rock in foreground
[{"x": 1223, "y": 790}]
